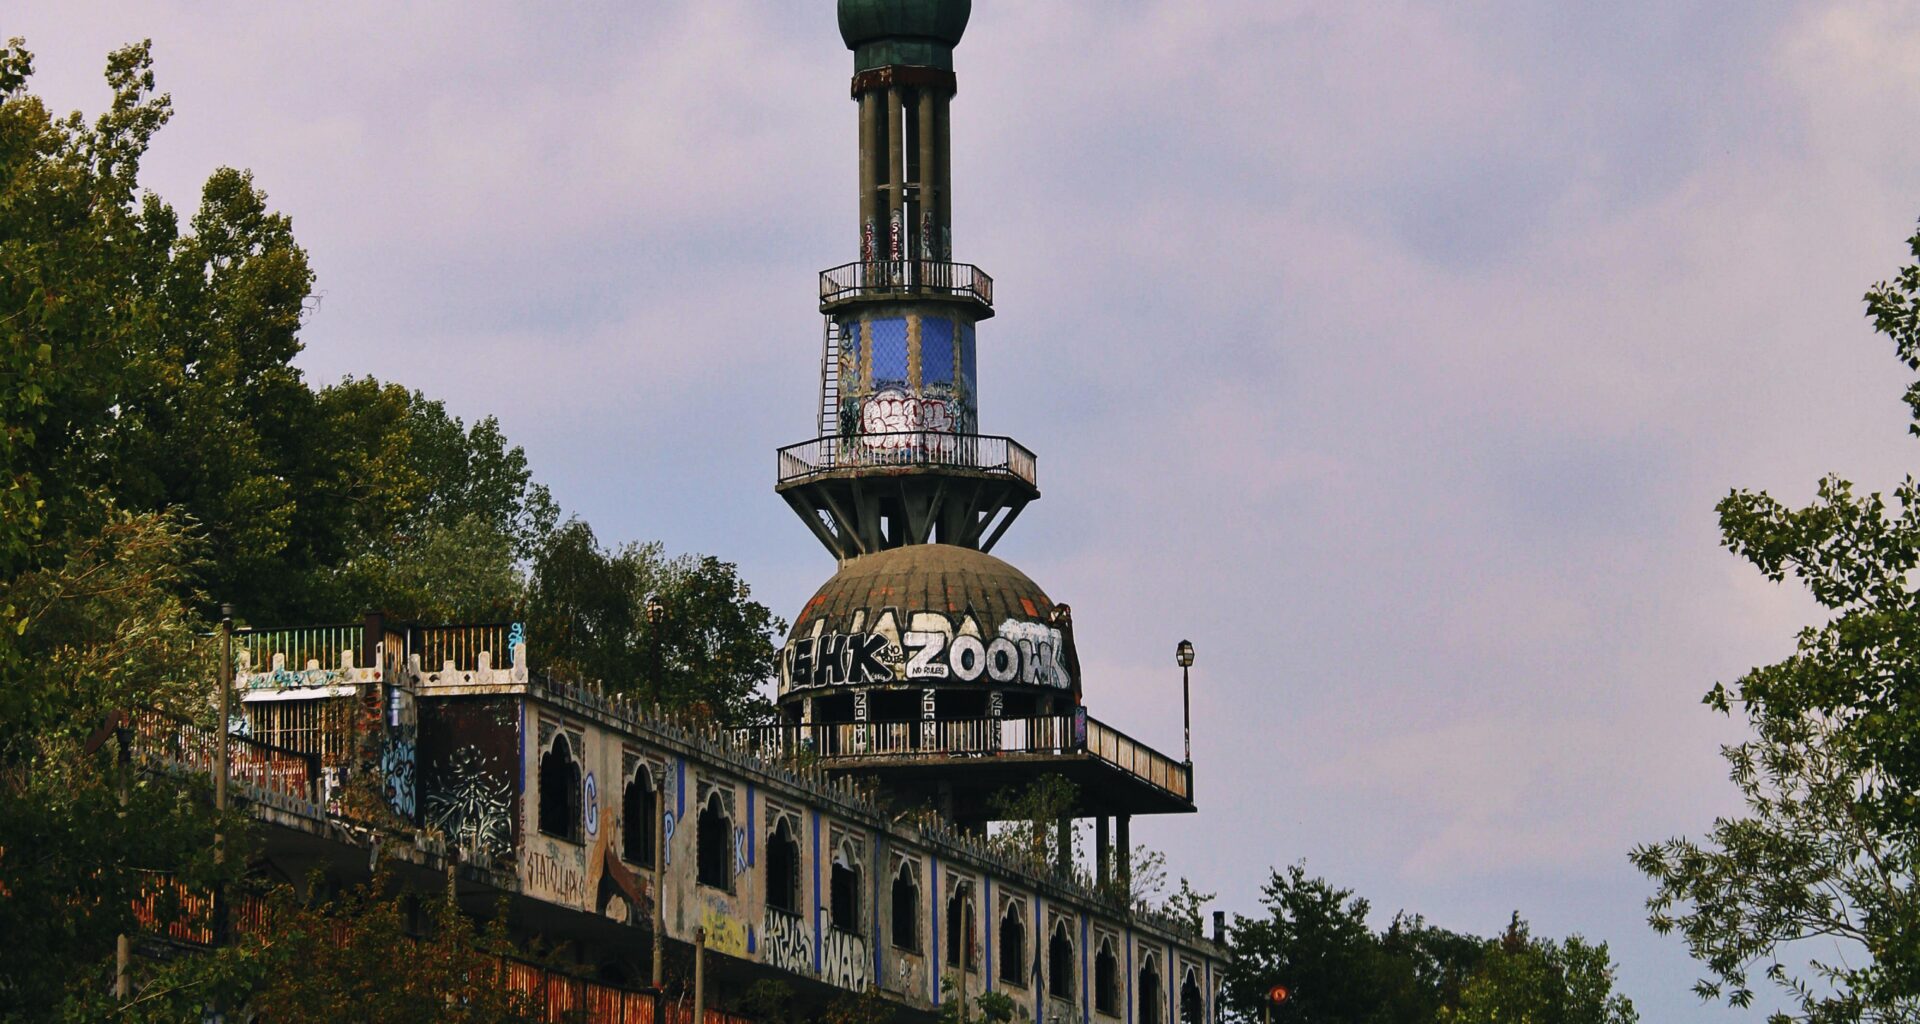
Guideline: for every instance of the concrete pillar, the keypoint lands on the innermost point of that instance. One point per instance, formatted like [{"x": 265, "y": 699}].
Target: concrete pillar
[
  {"x": 872, "y": 174},
  {"x": 1123, "y": 857},
  {"x": 896, "y": 173},
  {"x": 927, "y": 232},
  {"x": 943, "y": 177},
  {"x": 1102, "y": 850}
]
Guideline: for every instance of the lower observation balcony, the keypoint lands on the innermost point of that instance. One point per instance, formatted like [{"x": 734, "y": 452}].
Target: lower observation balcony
[
  {"x": 909, "y": 449},
  {"x": 972, "y": 760},
  {"x": 906, "y": 279}
]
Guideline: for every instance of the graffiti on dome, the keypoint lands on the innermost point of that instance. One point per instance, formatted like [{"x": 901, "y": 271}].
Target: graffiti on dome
[{"x": 934, "y": 647}]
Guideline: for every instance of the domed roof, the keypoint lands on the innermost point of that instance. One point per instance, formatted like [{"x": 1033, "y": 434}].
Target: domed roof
[
  {"x": 863, "y": 21},
  {"x": 928, "y": 614},
  {"x": 943, "y": 578}
]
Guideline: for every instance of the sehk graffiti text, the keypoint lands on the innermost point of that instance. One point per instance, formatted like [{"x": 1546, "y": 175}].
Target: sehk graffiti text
[{"x": 1024, "y": 653}]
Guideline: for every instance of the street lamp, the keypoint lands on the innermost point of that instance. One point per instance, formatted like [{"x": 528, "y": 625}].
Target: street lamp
[{"x": 1184, "y": 654}]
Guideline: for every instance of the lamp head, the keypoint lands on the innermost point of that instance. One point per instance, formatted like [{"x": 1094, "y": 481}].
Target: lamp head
[{"x": 1184, "y": 653}]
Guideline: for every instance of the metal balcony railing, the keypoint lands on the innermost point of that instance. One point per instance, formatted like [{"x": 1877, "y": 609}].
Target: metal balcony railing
[
  {"x": 915, "y": 277},
  {"x": 930, "y": 448},
  {"x": 977, "y": 737}
]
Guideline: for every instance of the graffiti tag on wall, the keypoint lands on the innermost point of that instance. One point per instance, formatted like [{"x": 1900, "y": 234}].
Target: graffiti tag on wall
[
  {"x": 787, "y": 943},
  {"x": 724, "y": 933},
  {"x": 845, "y": 961},
  {"x": 397, "y": 769},
  {"x": 1018, "y": 653},
  {"x": 471, "y": 807},
  {"x": 557, "y": 879},
  {"x": 896, "y": 411}
]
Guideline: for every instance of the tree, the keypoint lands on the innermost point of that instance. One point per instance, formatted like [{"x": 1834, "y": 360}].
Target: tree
[
  {"x": 1826, "y": 850},
  {"x": 712, "y": 648},
  {"x": 1524, "y": 980}
]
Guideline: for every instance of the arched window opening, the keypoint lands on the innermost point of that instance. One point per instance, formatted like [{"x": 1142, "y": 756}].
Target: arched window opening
[
  {"x": 714, "y": 852},
  {"x": 1193, "y": 1006},
  {"x": 783, "y": 868},
  {"x": 1013, "y": 947},
  {"x": 844, "y": 906},
  {"x": 906, "y": 910},
  {"x": 560, "y": 790},
  {"x": 962, "y": 929},
  {"x": 1060, "y": 963},
  {"x": 1150, "y": 991},
  {"x": 639, "y": 808},
  {"x": 1106, "y": 980}
]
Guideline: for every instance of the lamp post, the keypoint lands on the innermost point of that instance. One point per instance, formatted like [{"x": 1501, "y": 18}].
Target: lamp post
[
  {"x": 1184, "y": 654},
  {"x": 656, "y": 614}
]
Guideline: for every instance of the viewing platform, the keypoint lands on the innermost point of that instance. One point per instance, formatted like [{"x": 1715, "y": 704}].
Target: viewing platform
[
  {"x": 1111, "y": 769},
  {"x": 906, "y": 279},
  {"x": 988, "y": 454}
]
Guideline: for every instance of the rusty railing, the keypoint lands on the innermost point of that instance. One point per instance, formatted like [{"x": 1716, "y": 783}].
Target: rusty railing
[
  {"x": 173, "y": 744},
  {"x": 320, "y": 646},
  {"x": 893, "y": 277},
  {"x": 986, "y": 453},
  {"x": 463, "y": 645}
]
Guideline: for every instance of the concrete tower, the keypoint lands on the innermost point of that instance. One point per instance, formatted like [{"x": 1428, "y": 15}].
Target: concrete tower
[{"x": 925, "y": 661}]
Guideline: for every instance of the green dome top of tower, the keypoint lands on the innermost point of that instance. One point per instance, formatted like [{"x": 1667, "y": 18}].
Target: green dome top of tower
[{"x": 916, "y": 32}]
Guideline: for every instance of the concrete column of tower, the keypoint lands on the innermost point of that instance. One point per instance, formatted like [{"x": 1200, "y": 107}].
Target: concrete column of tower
[
  {"x": 943, "y": 176},
  {"x": 873, "y": 163},
  {"x": 1102, "y": 849},
  {"x": 896, "y": 174},
  {"x": 927, "y": 232},
  {"x": 1123, "y": 855}
]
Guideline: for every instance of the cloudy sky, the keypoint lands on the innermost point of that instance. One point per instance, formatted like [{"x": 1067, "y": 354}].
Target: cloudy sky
[{"x": 1395, "y": 353}]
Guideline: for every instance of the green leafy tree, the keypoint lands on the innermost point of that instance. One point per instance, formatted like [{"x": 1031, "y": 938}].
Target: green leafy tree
[
  {"x": 711, "y": 648},
  {"x": 1812, "y": 889},
  {"x": 1524, "y": 980},
  {"x": 1314, "y": 939}
]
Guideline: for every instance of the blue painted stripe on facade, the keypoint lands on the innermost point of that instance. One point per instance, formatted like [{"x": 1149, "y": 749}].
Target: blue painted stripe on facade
[
  {"x": 679, "y": 787},
  {"x": 1039, "y": 990},
  {"x": 1086, "y": 1002},
  {"x": 992, "y": 922},
  {"x": 816, "y": 893},
  {"x": 879, "y": 969},
  {"x": 933, "y": 914},
  {"x": 753, "y": 839},
  {"x": 1171, "y": 986},
  {"x": 1132, "y": 979}
]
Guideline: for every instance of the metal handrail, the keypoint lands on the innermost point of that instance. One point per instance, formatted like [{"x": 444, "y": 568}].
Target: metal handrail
[
  {"x": 976, "y": 737},
  {"x": 987, "y": 453},
  {"x": 887, "y": 277}
]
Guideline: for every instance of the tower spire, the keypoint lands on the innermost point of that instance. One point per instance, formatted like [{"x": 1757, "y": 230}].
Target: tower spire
[{"x": 899, "y": 458}]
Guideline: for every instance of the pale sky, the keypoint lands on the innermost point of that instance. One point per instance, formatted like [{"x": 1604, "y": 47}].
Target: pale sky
[{"x": 1394, "y": 353}]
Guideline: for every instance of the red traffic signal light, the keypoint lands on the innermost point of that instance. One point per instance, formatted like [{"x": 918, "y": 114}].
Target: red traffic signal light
[{"x": 1278, "y": 993}]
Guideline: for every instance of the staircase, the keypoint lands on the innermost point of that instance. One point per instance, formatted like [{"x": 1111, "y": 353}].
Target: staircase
[{"x": 829, "y": 391}]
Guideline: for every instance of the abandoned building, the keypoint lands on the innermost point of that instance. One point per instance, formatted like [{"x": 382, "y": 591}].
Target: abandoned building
[{"x": 926, "y": 673}]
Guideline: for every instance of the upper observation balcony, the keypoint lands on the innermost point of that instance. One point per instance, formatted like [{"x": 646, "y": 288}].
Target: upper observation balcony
[
  {"x": 988, "y": 454},
  {"x": 907, "y": 279}
]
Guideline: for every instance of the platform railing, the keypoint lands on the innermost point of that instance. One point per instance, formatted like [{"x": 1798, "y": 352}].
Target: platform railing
[
  {"x": 891, "y": 277},
  {"x": 163, "y": 741},
  {"x": 986, "y": 453},
  {"x": 976, "y": 737}
]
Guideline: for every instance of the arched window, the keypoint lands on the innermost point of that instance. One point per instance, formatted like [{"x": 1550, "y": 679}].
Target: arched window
[
  {"x": 1013, "y": 947},
  {"x": 906, "y": 909},
  {"x": 1106, "y": 980},
  {"x": 715, "y": 845},
  {"x": 1060, "y": 962},
  {"x": 639, "y": 809},
  {"x": 560, "y": 790},
  {"x": 844, "y": 905},
  {"x": 962, "y": 929},
  {"x": 783, "y": 868},
  {"x": 1193, "y": 1006},
  {"x": 1150, "y": 998}
]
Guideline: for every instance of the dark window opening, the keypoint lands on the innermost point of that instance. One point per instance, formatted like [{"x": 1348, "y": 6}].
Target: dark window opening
[
  {"x": 783, "y": 869},
  {"x": 1149, "y": 993},
  {"x": 560, "y": 791},
  {"x": 845, "y": 892},
  {"x": 1013, "y": 947},
  {"x": 714, "y": 840},
  {"x": 962, "y": 930},
  {"x": 906, "y": 910},
  {"x": 638, "y": 809},
  {"x": 1193, "y": 1008},
  {"x": 1060, "y": 963},
  {"x": 1106, "y": 981}
]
